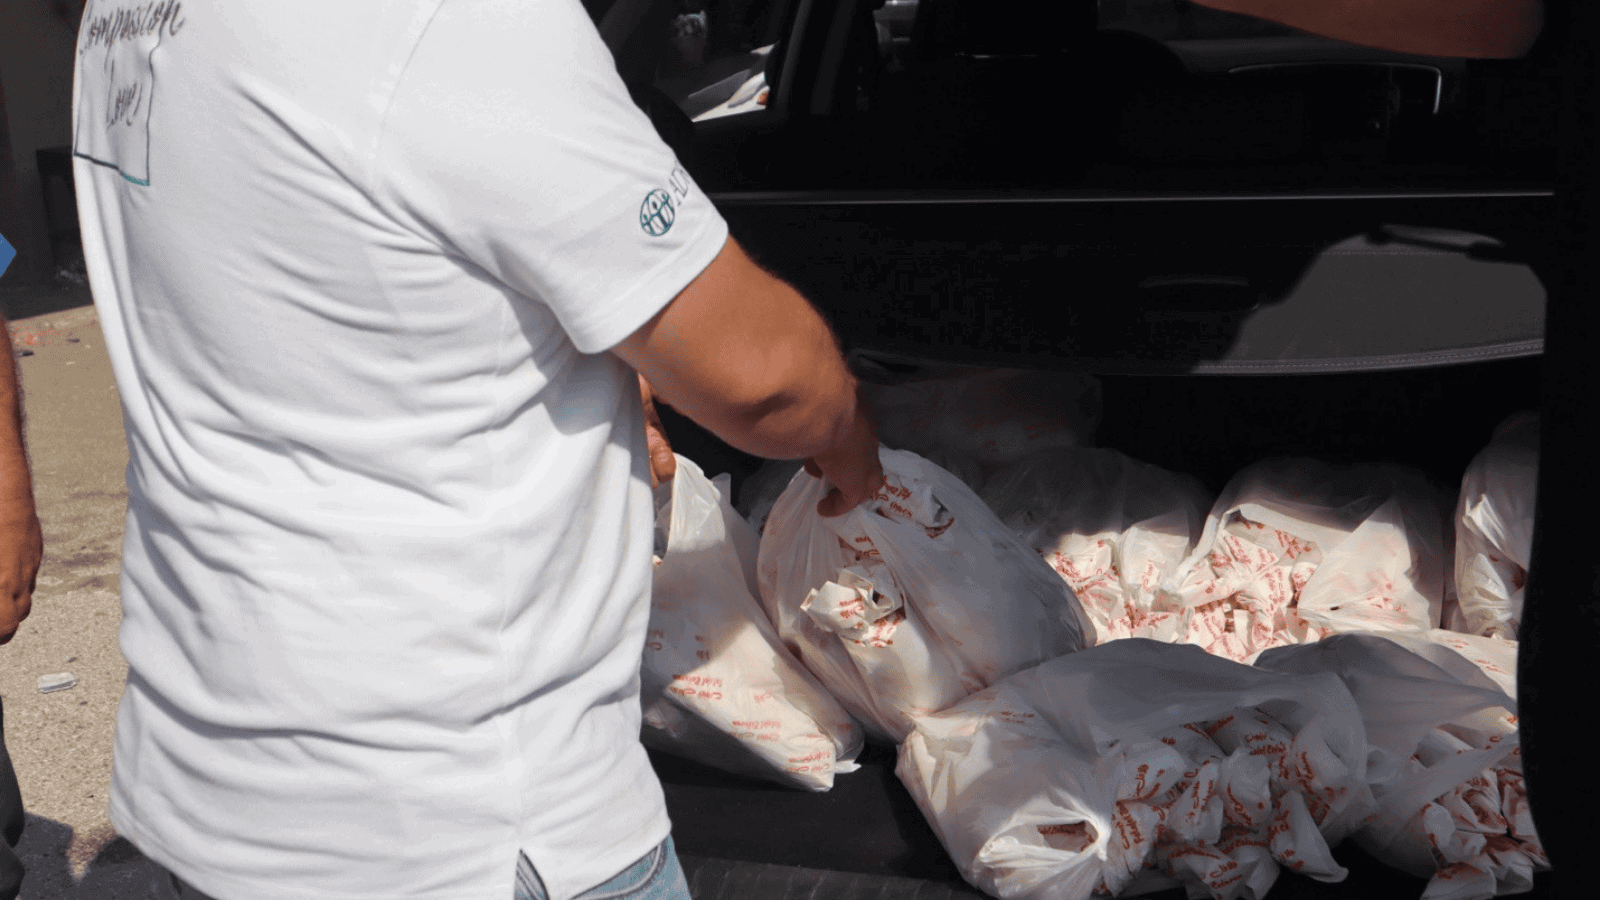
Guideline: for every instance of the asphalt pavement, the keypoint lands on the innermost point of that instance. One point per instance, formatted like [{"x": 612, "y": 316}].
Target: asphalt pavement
[{"x": 60, "y": 742}]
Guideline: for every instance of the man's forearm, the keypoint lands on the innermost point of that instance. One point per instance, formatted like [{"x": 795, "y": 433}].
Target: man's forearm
[
  {"x": 15, "y": 478},
  {"x": 21, "y": 542},
  {"x": 746, "y": 357},
  {"x": 1481, "y": 29}
]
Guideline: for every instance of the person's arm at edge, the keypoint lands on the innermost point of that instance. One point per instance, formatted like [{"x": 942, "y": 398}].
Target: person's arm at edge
[
  {"x": 1478, "y": 29},
  {"x": 747, "y": 357},
  {"x": 21, "y": 542}
]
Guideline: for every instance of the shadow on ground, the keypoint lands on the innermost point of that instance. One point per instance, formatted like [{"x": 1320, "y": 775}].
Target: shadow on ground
[
  {"x": 37, "y": 300},
  {"x": 67, "y": 289},
  {"x": 118, "y": 870}
]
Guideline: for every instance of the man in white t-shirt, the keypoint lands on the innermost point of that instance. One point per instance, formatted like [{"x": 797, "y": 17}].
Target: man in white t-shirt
[{"x": 375, "y": 278}]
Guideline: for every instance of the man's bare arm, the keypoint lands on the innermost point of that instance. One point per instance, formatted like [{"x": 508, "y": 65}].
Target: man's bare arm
[
  {"x": 1480, "y": 29},
  {"x": 749, "y": 359},
  {"x": 21, "y": 543}
]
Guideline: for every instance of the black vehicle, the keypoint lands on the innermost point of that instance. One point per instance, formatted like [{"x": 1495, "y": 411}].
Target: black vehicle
[{"x": 1263, "y": 242}]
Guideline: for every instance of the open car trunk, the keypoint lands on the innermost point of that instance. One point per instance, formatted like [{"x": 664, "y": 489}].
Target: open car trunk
[
  {"x": 743, "y": 838},
  {"x": 1397, "y": 261}
]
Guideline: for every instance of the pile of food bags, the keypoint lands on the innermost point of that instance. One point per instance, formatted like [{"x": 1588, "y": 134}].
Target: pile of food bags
[
  {"x": 956, "y": 625},
  {"x": 1293, "y": 549},
  {"x": 1137, "y": 765}
]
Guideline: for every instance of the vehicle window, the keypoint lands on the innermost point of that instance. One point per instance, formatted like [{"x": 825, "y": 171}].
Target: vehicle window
[
  {"x": 713, "y": 64},
  {"x": 1130, "y": 94}
]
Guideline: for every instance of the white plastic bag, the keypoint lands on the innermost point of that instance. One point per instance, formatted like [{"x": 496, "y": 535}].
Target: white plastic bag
[
  {"x": 1444, "y": 767},
  {"x": 912, "y": 600},
  {"x": 1295, "y": 550},
  {"x": 717, "y": 685},
  {"x": 1112, "y": 527},
  {"x": 1135, "y": 765},
  {"x": 976, "y": 421},
  {"x": 1494, "y": 657},
  {"x": 1494, "y": 531}
]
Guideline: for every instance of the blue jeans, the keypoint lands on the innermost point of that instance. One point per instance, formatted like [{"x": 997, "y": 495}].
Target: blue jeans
[{"x": 655, "y": 876}]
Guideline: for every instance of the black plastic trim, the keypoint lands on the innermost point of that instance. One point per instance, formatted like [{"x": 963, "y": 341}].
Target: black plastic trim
[{"x": 931, "y": 197}]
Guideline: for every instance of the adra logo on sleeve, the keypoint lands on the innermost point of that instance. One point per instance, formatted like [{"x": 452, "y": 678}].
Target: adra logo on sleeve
[
  {"x": 657, "y": 213},
  {"x": 660, "y": 207},
  {"x": 117, "y": 85}
]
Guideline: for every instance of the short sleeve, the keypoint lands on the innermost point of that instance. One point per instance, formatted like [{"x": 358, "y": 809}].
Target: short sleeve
[{"x": 511, "y": 141}]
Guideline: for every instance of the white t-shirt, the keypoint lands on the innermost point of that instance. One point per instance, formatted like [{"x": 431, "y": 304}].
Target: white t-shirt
[{"x": 386, "y": 572}]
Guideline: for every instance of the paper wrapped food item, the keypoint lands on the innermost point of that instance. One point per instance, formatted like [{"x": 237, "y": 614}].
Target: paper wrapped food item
[{"x": 718, "y": 686}]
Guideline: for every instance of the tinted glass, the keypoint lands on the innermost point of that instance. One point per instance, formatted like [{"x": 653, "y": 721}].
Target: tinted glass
[{"x": 1132, "y": 94}]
